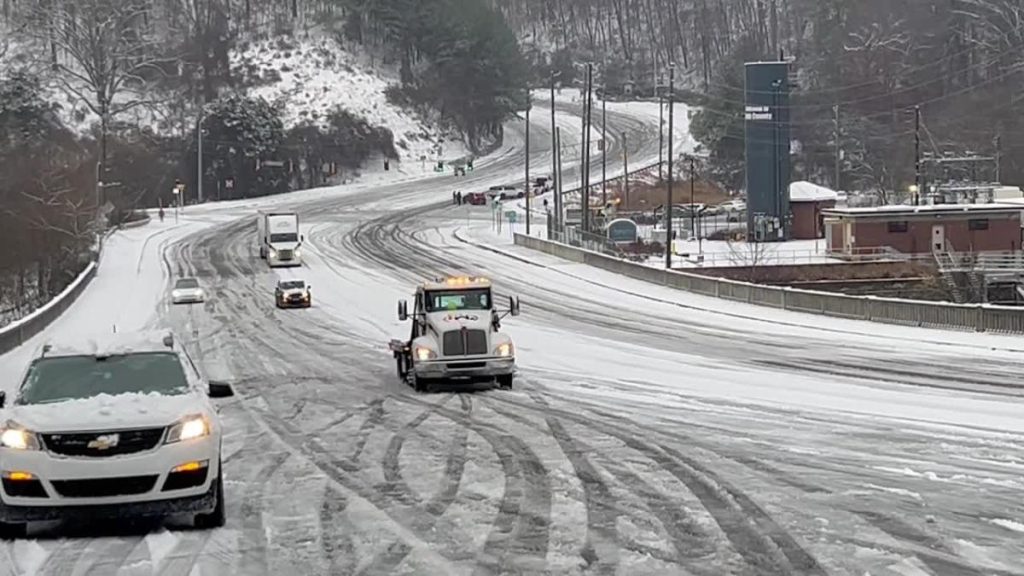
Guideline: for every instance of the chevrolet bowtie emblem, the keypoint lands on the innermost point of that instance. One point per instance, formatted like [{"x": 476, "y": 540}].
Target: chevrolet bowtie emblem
[{"x": 105, "y": 442}]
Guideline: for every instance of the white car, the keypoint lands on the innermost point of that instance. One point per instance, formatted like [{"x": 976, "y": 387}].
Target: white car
[
  {"x": 121, "y": 427},
  {"x": 187, "y": 291}
]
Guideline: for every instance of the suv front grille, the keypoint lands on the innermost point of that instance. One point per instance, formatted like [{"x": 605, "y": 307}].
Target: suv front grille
[
  {"x": 465, "y": 342},
  {"x": 128, "y": 442},
  {"x": 103, "y": 487}
]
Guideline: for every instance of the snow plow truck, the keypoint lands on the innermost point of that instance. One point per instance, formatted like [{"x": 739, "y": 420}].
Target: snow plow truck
[{"x": 456, "y": 336}]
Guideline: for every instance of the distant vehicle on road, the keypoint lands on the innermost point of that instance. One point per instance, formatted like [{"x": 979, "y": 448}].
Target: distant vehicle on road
[
  {"x": 475, "y": 199},
  {"x": 733, "y": 206},
  {"x": 187, "y": 291},
  {"x": 293, "y": 294},
  {"x": 506, "y": 192},
  {"x": 279, "y": 239},
  {"x": 115, "y": 428}
]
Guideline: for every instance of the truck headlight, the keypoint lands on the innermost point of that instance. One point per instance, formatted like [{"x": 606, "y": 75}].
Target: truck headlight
[
  {"x": 189, "y": 428},
  {"x": 273, "y": 253},
  {"x": 505, "y": 350},
  {"x": 15, "y": 437},
  {"x": 298, "y": 253},
  {"x": 423, "y": 353}
]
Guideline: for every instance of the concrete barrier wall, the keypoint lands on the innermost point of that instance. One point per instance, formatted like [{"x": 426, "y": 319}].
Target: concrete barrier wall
[
  {"x": 17, "y": 333},
  {"x": 978, "y": 317}
]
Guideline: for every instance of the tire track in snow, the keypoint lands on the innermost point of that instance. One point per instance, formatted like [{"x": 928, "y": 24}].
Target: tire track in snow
[
  {"x": 763, "y": 544},
  {"x": 426, "y": 514},
  {"x": 254, "y": 551},
  {"x": 335, "y": 542},
  {"x": 943, "y": 562}
]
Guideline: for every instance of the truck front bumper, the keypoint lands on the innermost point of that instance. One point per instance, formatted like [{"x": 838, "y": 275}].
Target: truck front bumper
[{"x": 465, "y": 368}]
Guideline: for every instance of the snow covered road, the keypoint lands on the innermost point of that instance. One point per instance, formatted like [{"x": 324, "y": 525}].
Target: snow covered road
[{"x": 651, "y": 431}]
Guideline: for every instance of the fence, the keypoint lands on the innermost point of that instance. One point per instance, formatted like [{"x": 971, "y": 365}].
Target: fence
[{"x": 979, "y": 317}]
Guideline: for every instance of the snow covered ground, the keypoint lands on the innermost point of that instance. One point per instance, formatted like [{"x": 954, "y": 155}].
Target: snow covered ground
[
  {"x": 317, "y": 75},
  {"x": 650, "y": 431}
]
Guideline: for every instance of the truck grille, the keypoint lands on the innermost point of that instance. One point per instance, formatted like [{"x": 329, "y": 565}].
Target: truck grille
[
  {"x": 128, "y": 442},
  {"x": 103, "y": 487},
  {"x": 465, "y": 342},
  {"x": 285, "y": 254}
]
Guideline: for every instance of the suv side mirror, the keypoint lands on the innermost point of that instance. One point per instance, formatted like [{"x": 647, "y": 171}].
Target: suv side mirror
[
  {"x": 3, "y": 399},
  {"x": 403, "y": 310},
  {"x": 220, "y": 390},
  {"x": 513, "y": 305}
]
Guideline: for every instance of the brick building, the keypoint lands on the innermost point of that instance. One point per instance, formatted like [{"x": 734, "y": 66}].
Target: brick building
[
  {"x": 807, "y": 202},
  {"x": 922, "y": 229}
]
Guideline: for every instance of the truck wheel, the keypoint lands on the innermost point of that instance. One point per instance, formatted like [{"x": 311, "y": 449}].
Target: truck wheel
[
  {"x": 418, "y": 384},
  {"x": 400, "y": 365},
  {"x": 263, "y": 255},
  {"x": 9, "y": 531},
  {"x": 505, "y": 382}
]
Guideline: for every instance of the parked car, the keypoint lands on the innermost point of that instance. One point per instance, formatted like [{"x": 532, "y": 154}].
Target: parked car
[
  {"x": 475, "y": 199},
  {"x": 733, "y": 206}
]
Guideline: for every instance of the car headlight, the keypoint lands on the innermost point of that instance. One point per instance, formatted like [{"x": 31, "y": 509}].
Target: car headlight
[
  {"x": 189, "y": 428},
  {"x": 423, "y": 353},
  {"x": 505, "y": 350},
  {"x": 15, "y": 437}
]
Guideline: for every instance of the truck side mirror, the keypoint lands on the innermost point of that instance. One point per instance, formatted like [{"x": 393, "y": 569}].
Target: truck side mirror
[
  {"x": 302, "y": 238},
  {"x": 403, "y": 310},
  {"x": 3, "y": 398},
  {"x": 513, "y": 305}
]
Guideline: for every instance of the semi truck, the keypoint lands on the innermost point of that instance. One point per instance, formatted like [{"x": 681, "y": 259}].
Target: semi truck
[
  {"x": 279, "y": 238},
  {"x": 456, "y": 336}
]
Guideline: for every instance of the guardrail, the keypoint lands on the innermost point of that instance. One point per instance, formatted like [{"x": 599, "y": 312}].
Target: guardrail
[
  {"x": 978, "y": 317},
  {"x": 20, "y": 331}
]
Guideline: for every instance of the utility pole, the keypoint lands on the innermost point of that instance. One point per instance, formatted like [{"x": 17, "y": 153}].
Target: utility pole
[
  {"x": 625, "y": 172},
  {"x": 558, "y": 180},
  {"x": 586, "y": 146},
  {"x": 839, "y": 150},
  {"x": 999, "y": 157},
  {"x": 199, "y": 158},
  {"x": 527, "y": 188},
  {"x": 661, "y": 135},
  {"x": 668, "y": 201},
  {"x": 693, "y": 205},
  {"x": 693, "y": 186},
  {"x": 917, "y": 155},
  {"x": 604, "y": 147}
]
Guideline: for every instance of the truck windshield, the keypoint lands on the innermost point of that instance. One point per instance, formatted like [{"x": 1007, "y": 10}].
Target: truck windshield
[
  {"x": 479, "y": 299},
  {"x": 289, "y": 237},
  {"x": 78, "y": 377}
]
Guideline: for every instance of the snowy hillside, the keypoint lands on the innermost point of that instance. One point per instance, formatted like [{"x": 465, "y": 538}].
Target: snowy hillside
[{"x": 308, "y": 78}]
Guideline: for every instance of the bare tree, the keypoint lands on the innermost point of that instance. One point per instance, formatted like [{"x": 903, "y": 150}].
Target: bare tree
[
  {"x": 103, "y": 53},
  {"x": 751, "y": 255}
]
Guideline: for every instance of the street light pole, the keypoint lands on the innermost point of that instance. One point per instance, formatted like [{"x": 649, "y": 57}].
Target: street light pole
[
  {"x": 199, "y": 158},
  {"x": 917, "y": 154},
  {"x": 668, "y": 201},
  {"x": 527, "y": 188},
  {"x": 661, "y": 135},
  {"x": 554, "y": 151},
  {"x": 604, "y": 147}
]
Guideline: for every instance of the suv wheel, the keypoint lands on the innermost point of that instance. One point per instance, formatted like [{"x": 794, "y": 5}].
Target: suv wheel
[{"x": 218, "y": 517}]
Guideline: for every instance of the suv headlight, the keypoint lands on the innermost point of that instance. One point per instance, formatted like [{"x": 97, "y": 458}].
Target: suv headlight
[
  {"x": 424, "y": 353},
  {"x": 16, "y": 437},
  {"x": 505, "y": 350},
  {"x": 189, "y": 428}
]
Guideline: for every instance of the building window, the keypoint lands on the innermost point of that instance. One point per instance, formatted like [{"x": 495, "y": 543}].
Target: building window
[
  {"x": 978, "y": 224},
  {"x": 899, "y": 227}
]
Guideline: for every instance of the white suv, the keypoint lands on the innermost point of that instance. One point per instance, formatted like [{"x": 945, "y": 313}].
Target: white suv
[{"x": 121, "y": 427}]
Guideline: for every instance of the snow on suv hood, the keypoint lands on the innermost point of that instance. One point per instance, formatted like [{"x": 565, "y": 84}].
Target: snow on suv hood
[
  {"x": 445, "y": 321},
  {"x": 107, "y": 412}
]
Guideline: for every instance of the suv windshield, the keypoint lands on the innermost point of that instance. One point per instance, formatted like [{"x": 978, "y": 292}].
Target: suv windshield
[
  {"x": 292, "y": 285},
  {"x": 187, "y": 283},
  {"x": 79, "y": 377},
  {"x": 289, "y": 237},
  {"x": 479, "y": 299}
]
